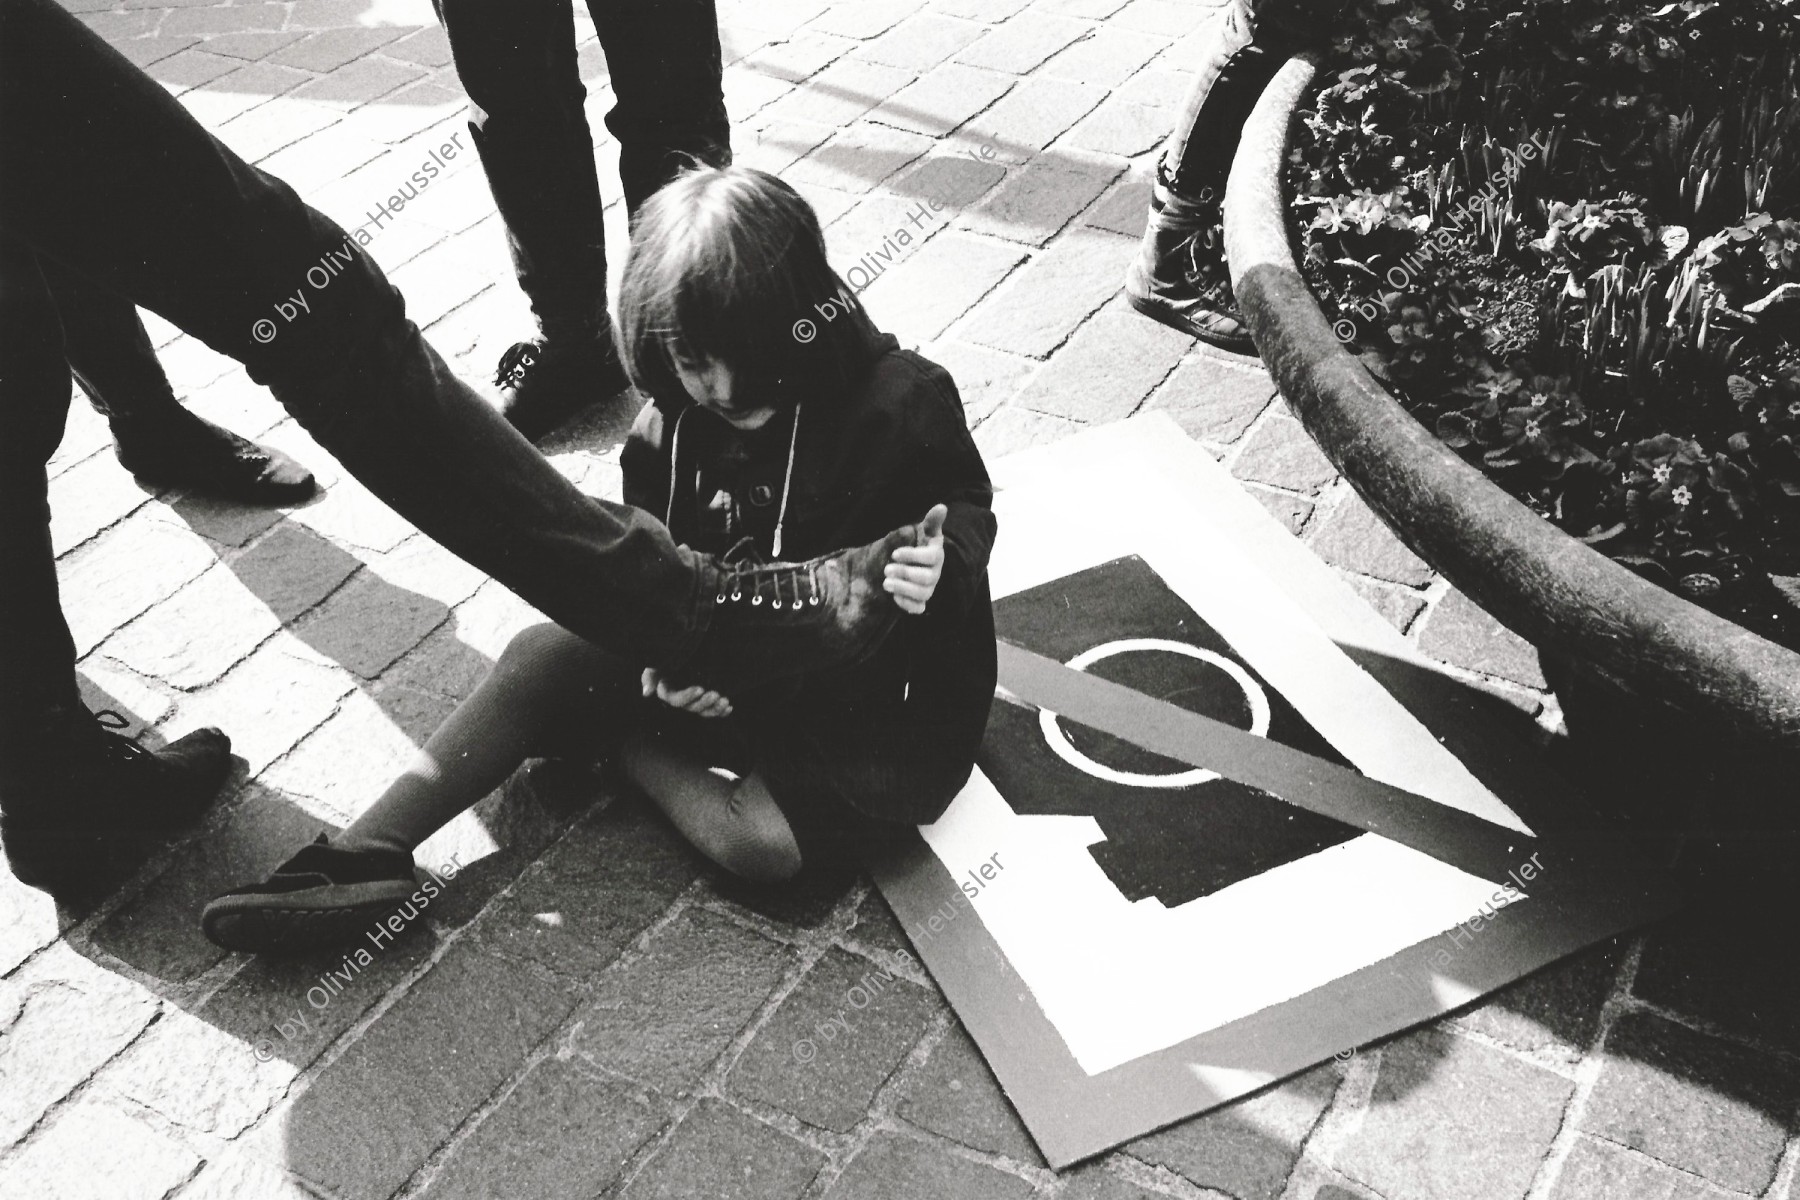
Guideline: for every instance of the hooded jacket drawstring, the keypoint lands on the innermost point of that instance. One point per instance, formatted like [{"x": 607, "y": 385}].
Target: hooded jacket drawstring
[{"x": 787, "y": 478}]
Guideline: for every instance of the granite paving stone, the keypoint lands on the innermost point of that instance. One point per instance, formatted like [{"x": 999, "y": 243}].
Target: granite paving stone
[
  {"x": 951, "y": 181},
  {"x": 1037, "y": 309},
  {"x": 1106, "y": 370},
  {"x": 1018, "y": 428},
  {"x": 198, "y": 634},
  {"x": 157, "y": 930},
  {"x": 1124, "y": 210},
  {"x": 197, "y": 1076},
  {"x": 795, "y": 58},
  {"x": 1457, "y": 631},
  {"x": 347, "y": 1133},
  {"x": 1556, "y": 1011},
  {"x": 344, "y": 764},
  {"x": 290, "y": 1009},
  {"x": 942, "y": 99},
  {"x": 1278, "y": 452},
  {"x": 121, "y": 1159},
  {"x": 334, "y": 47},
  {"x": 1720, "y": 1111},
  {"x": 369, "y": 623},
  {"x": 1158, "y": 17},
  {"x": 720, "y": 1153},
  {"x": 840, "y": 93},
  {"x": 1601, "y": 1170},
  {"x": 122, "y": 574},
  {"x": 1354, "y": 538},
  {"x": 1214, "y": 401},
  {"x": 593, "y": 893},
  {"x": 985, "y": 379},
  {"x": 1033, "y": 114},
  {"x": 863, "y": 18},
  {"x": 1397, "y": 606},
  {"x": 1023, "y": 43},
  {"x": 665, "y": 1015},
  {"x": 834, "y": 1041},
  {"x": 1041, "y": 198},
  {"x": 920, "y": 42},
  {"x": 895, "y": 1168},
  {"x": 564, "y": 1133},
  {"x": 62, "y": 1016},
  {"x": 858, "y": 158},
  {"x": 1247, "y": 1149},
  {"x": 956, "y": 1095},
  {"x": 921, "y": 296},
  {"x": 266, "y": 703},
  {"x": 146, "y": 52},
  {"x": 239, "y": 18},
  {"x": 1122, "y": 127},
  {"x": 1292, "y": 511},
  {"x": 89, "y": 497},
  {"x": 1106, "y": 57},
  {"x": 29, "y": 921},
  {"x": 1451, "y": 1119},
  {"x": 1715, "y": 963}
]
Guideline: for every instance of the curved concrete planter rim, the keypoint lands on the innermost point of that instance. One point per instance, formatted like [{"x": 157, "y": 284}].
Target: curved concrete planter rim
[{"x": 1566, "y": 598}]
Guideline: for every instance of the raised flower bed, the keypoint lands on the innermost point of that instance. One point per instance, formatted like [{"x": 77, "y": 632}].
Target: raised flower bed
[{"x": 1555, "y": 350}]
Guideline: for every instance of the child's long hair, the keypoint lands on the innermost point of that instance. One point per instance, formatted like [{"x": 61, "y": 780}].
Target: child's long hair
[{"x": 727, "y": 263}]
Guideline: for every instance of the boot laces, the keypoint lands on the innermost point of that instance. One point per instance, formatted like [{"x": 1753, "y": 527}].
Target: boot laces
[
  {"x": 779, "y": 585},
  {"x": 114, "y": 743},
  {"x": 515, "y": 362}
]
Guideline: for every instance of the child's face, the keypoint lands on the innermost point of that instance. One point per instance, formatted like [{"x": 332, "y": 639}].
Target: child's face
[{"x": 710, "y": 382}]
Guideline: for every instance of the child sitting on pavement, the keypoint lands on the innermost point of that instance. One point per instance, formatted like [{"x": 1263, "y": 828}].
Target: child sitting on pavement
[{"x": 766, "y": 436}]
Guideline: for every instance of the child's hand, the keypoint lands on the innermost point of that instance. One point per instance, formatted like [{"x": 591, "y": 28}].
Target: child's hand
[
  {"x": 695, "y": 699},
  {"x": 913, "y": 571}
]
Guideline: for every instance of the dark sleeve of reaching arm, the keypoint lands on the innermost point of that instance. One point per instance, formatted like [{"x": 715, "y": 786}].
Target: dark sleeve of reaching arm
[
  {"x": 958, "y": 479},
  {"x": 644, "y": 461}
]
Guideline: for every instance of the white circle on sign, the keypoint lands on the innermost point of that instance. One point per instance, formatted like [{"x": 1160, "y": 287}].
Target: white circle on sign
[{"x": 1063, "y": 748}]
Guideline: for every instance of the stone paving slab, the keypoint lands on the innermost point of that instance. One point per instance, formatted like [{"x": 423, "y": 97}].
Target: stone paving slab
[{"x": 591, "y": 1010}]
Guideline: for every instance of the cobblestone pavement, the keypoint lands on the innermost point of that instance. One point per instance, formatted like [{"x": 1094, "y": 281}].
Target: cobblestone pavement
[{"x": 593, "y": 1012}]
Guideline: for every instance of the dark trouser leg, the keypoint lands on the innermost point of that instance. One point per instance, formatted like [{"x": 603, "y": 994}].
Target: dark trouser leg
[
  {"x": 102, "y": 170},
  {"x": 108, "y": 347},
  {"x": 517, "y": 62},
  {"x": 37, "y": 655},
  {"x": 1246, "y": 45},
  {"x": 665, "y": 64}
]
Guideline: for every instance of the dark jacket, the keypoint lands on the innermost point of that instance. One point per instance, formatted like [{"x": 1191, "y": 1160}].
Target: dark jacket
[{"x": 898, "y": 732}]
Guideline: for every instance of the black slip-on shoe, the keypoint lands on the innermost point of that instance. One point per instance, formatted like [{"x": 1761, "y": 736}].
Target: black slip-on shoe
[
  {"x": 181, "y": 450},
  {"x": 321, "y": 897}
]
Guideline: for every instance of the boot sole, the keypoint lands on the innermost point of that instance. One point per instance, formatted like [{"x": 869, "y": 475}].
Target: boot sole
[
  {"x": 1166, "y": 315},
  {"x": 312, "y": 919}
]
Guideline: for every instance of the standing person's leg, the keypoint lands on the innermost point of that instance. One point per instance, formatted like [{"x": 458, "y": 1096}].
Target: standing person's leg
[
  {"x": 517, "y": 62},
  {"x": 666, "y": 70},
  {"x": 212, "y": 244},
  {"x": 1179, "y": 275},
  {"x": 66, "y": 783},
  {"x": 157, "y": 439}
]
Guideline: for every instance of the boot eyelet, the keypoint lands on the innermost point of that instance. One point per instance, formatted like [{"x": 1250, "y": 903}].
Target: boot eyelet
[
  {"x": 719, "y": 599},
  {"x": 736, "y": 596},
  {"x": 755, "y": 600},
  {"x": 813, "y": 600},
  {"x": 775, "y": 604}
]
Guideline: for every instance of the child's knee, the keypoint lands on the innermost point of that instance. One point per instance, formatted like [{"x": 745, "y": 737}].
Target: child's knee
[
  {"x": 534, "y": 643},
  {"x": 764, "y": 849}
]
